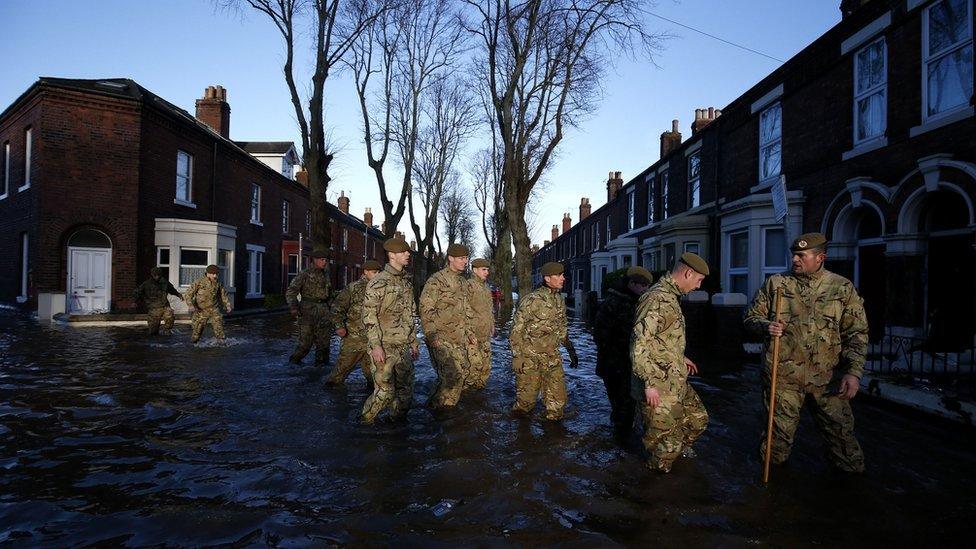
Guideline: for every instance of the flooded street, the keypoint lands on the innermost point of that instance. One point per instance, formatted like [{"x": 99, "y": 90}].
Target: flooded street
[{"x": 107, "y": 436}]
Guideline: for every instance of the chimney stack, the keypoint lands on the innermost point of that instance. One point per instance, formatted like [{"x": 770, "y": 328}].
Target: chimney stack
[
  {"x": 343, "y": 202},
  {"x": 848, "y": 7},
  {"x": 368, "y": 218},
  {"x": 399, "y": 235},
  {"x": 302, "y": 177},
  {"x": 214, "y": 111},
  {"x": 584, "y": 208},
  {"x": 555, "y": 232},
  {"x": 704, "y": 117},
  {"x": 614, "y": 184},
  {"x": 413, "y": 245},
  {"x": 535, "y": 248},
  {"x": 545, "y": 243},
  {"x": 567, "y": 222},
  {"x": 670, "y": 140}
]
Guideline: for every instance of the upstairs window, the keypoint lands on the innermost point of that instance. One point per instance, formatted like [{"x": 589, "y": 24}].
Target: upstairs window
[
  {"x": 650, "y": 199},
  {"x": 308, "y": 223},
  {"x": 184, "y": 177},
  {"x": 285, "y": 216},
  {"x": 665, "y": 183},
  {"x": 630, "y": 210},
  {"x": 694, "y": 180},
  {"x": 28, "y": 147},
  {"x": 947, "y": 52},
  {"x": 770, "y": 142},
  {"x": 255, "y": 203},
  {"x": 870, "y": 91},
  {"x": 6, "y": 171}
]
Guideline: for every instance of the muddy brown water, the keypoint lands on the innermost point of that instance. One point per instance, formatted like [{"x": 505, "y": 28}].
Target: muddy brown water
[{"x": 107, "y": 437}]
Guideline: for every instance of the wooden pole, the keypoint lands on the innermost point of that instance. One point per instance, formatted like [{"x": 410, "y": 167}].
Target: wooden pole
[{"x": 772, "y": 392}]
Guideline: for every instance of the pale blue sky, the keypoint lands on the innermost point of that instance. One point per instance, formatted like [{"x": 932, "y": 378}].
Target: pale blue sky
[{"x": 177, "y": 48}]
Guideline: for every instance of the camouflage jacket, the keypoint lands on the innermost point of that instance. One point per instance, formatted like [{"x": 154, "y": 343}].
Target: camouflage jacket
[
  {"x": 480, "y": 309},
  {"x": 826, "y": 329},
  {"x": 613, "y": 326},
  {"x": 657, "y": 347},
  {"x": 312, "y": 284},
  {"x": 347, "y": 310},
  {"x": 207, "y": 294},
  {"x": 389, "y": 312},
  {"x": 154, "y": 293},
  {"x": 540, "y": 322},
  {"x": 443, "y": 303}
]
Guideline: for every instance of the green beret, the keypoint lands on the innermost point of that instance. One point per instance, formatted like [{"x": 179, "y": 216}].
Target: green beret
[
  {"x": 640, "y": 275},
  {"x": 480, "y": 262},
  {"x": 396, "y": 245},
  {"x": 320, "y": 252},
  {"x": 156, "y": 271},
  {"x": 552, "y": 268},
  {"x": 372, "y": 265},
  {"x": 457, "y": 250},
  {"x": 212, "y": 269},
  {"x": 695, "y": 262},
  {"x": 809, "y": 241}
]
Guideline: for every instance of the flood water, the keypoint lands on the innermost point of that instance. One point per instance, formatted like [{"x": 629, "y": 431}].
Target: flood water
[{"x": 112, "y": 438}]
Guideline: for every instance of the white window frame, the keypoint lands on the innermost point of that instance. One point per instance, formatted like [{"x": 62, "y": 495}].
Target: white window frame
[
  {"x": 770, "y": 143},
  {"x": 631, "y": 203},
  {"x": 24, "y": 265},
  {"x": 736, "y": 271},
  {"x": 6, "y": 170},
  {"x": 285, "y": 217},
  {"x": 256, "y": 205},
  {"x": 608, "y": 230},
  {"x": 649, "y": 180},
  {"x": 159, "y": 262},
  {"x": 928, "y": 59},
  {"x": 694, "y": 183},
  {"x": 345, "y": 239},
  {"x": 881, "y": 87},
  {"x": 768, "y": 270},
  {"x": 180, "y": 265},
  {"x": 226, "y": 275},
  {"x": 28, "y": 157},
  {"x": 188, "y": 200},
  {"x": 692, "y": 246},
  {"x": 255, "y": 271},
  {"x": 308, "y": 223},
  {"x": 289, "y": 275},
  {"x": 665, "y": 178},
  {"x": 579, "y": 279}
]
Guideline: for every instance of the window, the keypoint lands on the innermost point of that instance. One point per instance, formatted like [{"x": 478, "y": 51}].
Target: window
[
  {"x": 693, "y": 247},
  {"x": 28, "y": 144},
  {"x": 345, "y": 238},
  {"x": 292, "y": 269},
  {"x": 308, "y": 223},
  {"x": 947, "y": 52},
  {"x": 739, "y": 263},
  {"x": 694, "y": 180},
  {"x": 193, "y": 265},
  {"x": 579, "y": 279},
  {"x": 770, "y": 143},
  {"x": 256, "y": 204},
  {"x": 627, "y": 260},
  {"x": 630, "y": 210},
  {"x": 870, "y": 91},
  {"x": 650, "y": 199},
  {"x": 285, "y": 216},
  {"x": 225, "y": 259},
  {"x": 774, "y": 252},
  {"x": 608, "y": 230},
  {"x": 670, "y": 259},
  {"x": 6, "y": 170},
  {"x": 255, "y": 270},
  {"x": 596, "y": 241},
  {"x": 665, "y": 183},
  {"x": 184, "y": 178},
  {"x": 162, "y": 260},
  {"x": 24, "y": 267}
]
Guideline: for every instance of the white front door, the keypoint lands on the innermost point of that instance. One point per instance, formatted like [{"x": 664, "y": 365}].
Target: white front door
[{"x": 89, "y": 280}]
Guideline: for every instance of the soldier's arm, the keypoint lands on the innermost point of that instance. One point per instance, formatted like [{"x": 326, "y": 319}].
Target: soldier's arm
[
  {"x": 295, "y": 288},
  {"x": 412, "y": 337},
  {"x": 137, "y": 293},
  {"x": 224, "y": 298},
  {"x": 854, "y": 335},
  {"x": 340, "y": 308},
  {"x": 648, "y": 351},
  {"x": 191, "y": 294},
  {"x": 371, "y": 305},
  {"x": 757, "y": 315},
  {"x": 429, "y": 298},
  {"x": 518, "y": 324},
  {"x": 171, "y": 290}
]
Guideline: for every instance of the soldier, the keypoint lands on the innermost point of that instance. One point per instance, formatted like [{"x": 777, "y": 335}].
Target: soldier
[
  {"x": 204, "y": 299},
  {"x": 443, "y": 317},
  {"x": 347, "y": 317},
  {"x": 389, "y": 314},
  {"x": 312, "y": 312},
  {"x": 821, "y": 354},
  {"x": 154, "y": 293},
  {"x": 612, "y": 329},
  {"x": 481, "y": 326},
  {"x": 672, "y": 412},
  {"x": 537, "y": 331}
]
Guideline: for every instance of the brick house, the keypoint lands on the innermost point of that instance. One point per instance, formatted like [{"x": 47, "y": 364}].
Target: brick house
[
  {"x": 104, "y": 180},
  {"x": 872, "y": 127}
]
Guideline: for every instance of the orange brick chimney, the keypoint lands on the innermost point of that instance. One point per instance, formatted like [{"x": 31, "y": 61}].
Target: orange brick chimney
[
  {"x": 343, "y": 202},
  {"x": 555, "y": 232},
  {"x": 567, "y": 222},
  {"x": 670, "y": 140},
  {"x": 214, "y": 111},
  {"x": 614, "y": 184},
  {"x": 704, "y": 117},
  {"x": 584, "y": 208}
]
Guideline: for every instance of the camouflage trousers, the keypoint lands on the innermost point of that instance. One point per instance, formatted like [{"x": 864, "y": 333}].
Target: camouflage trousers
[
  {"x": 673, "y": 425},
  {"x": 314, "y": 328},
  {"x": 450, "y": 362},
  {"x": 203, "y": 316},
  {"x": 832, "y": 415},
  {"x": 479, "y": 364},
  {"x": 535, "y": 373},
  {"x": 392, "y": 384},
  {"x": 351, "y": 353},
  {"x": 157, "y": 315}
]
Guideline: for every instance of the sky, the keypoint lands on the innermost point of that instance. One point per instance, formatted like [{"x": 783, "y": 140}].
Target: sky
[{"x": 179, "y": 47}]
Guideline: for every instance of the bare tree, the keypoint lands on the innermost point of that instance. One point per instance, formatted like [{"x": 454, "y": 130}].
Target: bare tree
[
  {"x": 457, "y": 216},
  {"x": 485, "y": 174},
  {"x": 335, "y": 26},
  {"x": 542, "y": 61}
]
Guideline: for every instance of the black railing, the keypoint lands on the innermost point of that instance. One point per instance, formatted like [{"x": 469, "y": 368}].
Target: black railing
[{"x": 922, "y": 359}]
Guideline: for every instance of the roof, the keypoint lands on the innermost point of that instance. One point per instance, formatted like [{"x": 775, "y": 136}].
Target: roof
[{"x": 266, "y": 147}]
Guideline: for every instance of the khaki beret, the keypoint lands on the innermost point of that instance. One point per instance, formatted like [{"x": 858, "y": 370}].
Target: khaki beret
[
  {"x": 552, "y": 268},
  {"x": 480, "y": 262},
  {"x": 372, "y": 265},
  {"x": 695, "y": 262},
  {"x": 212, "y": 269},
  {"x": 319, "y": 252},
  {"x": 640, "y": 275},
  {"x": 396, "y": 245},
  {"x": 457, "y": 250},
  {"x": 809, "y": 241}
]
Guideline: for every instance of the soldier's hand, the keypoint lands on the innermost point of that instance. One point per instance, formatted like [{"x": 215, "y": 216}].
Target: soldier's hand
[
  {"x": 191, "y": 308},
  {"x": 849, "y": 386},
  {"x": 776, "y": 328},
  {"x": 692, "y": 367},
  {"x": 379, "y": 357},
  {"x": 652, "y": 397},
  {"x": 341, "y": 332},
  {"x": 415, "y": 352},
  {"x": 229, "y": 310},
  {"x": 434, "y": 343}
]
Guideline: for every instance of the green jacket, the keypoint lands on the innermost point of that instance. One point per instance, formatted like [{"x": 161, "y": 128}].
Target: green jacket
[
  {"x": 154, "y": 292},
  {"x": 480, "y": 309},
  {"x": 347, "y": 311},
  {"x": 312, "y": 284},
  {"x": 657, "y": 347},
  {"x": 443, "y": 305},
  {"x": 389, "y": 311},
  {"x": 539, "y": 326},
  {"x": 612, "y": 330},
  {"x": 207, "y": 294}
]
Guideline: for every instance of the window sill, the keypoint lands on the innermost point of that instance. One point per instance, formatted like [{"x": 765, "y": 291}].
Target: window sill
[
  {"x": 184, "y": 203},
  {"x": 21, "y": 299},
  {"x": 942, "y": 120},
  {"x": 865, "y": 147},
  {"x": 257, "y": 223},
  {"x": 253, "y": 296},
  {"x": 764, "y": 184},
  {"x": 23, "y": 187},
  {"x": 4, "y": 195}
]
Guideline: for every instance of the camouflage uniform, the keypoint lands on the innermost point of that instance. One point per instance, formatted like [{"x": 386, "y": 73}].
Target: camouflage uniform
[
  {"x": 314, "y": 317},
  {"x": 825, "y": 337},
  {"x": 537, "y": 331},
  {"x": 154, "y": 293},
  {"x": 612, "y": 329},
  {"x": 443, "y": 317},
  {"x": 207, "y": 296},
  {"x": 389, "y": 316},
  {"x": 481, "y": 326},
  {"x": 657, "y": 351},
  {"x": 347, "y": 313}
]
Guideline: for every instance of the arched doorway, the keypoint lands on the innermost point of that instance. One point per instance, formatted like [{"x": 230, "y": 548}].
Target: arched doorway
[
  {"x": 861, "y": 229},
  {"x": 89, "y": 272}
]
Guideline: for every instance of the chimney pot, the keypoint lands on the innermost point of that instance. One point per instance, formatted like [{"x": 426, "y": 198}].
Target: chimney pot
[
  {"x": 674, "y": 125},
  {"x": 214, "y": 111},
  {"x": 711, "y": 113},
  {"x": 343, "y": 202}
]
